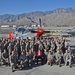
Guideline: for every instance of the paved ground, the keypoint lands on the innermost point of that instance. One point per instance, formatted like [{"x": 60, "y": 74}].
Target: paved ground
[{"x": 40, "y": 70}]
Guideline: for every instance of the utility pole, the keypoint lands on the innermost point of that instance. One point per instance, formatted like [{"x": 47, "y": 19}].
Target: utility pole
[{"x": 40, "y": 22}]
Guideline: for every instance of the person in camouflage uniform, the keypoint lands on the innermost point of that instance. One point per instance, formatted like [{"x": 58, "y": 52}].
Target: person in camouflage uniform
[
  {"x": 23, "y": 60},
  {"x": 67, "y": 58},
  {"x": 5, "y": 57},
  {"x": 14, "y": 61},
  {"x": 58, "y": 57},
  {"x": 50, "y": 58}
]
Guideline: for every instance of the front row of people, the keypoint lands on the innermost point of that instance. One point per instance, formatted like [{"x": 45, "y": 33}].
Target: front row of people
[
  {"x": 59, "y": 58},
  {"x": 26, "y": 59}
]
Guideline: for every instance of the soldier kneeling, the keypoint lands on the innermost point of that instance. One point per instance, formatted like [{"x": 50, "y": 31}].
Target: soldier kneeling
[
  {"x": 50, "y": 58},
  {"x": 67, "y": 58},
  {"x": 5, "y": 57},
  {"x": 14, "y": 61},
  {"x": 23, "y": 60},
  {"x": 30, "y": 57},
  {"x": 58, "y": 57}
]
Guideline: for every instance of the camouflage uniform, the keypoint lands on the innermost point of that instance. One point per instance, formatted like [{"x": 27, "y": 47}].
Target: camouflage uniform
[
  {"x": 67, "y": 58},
  {"x": 58, "y": 58},
  {"x": 50, "y": 58}
]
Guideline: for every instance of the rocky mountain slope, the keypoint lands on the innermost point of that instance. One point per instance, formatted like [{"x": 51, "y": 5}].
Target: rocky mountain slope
[{"x": 60, "y": 16}]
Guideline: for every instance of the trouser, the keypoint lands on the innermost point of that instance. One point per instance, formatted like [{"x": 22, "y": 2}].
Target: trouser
[
  {"x": 5, "y": 62},
  {"x": 0, "y": 56},
  {"x": 24, "y": 64},
  {"x": 67, "y": 62},
  {"x": 50, "y": 61},
  {"x": 31, "y": 61},
  {"x": 13, "y": 65},
  {"x": 58, "y": 62},
  {"x": 40, "y": 57}
]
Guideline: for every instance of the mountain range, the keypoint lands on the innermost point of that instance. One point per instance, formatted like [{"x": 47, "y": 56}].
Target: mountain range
[{"x": 60, "y": 16}]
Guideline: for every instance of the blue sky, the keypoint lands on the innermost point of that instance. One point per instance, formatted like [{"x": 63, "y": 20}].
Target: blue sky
[{"x": 24, "y": 6}]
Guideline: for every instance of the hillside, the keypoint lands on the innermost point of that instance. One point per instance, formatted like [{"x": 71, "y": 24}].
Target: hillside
[{"x": 60, "y": 16}]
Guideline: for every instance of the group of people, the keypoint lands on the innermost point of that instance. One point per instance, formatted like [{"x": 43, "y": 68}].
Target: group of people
[{"x": 27, "y": 52}]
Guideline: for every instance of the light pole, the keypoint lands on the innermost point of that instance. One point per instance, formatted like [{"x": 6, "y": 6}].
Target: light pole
[{"x": 40, "y": 21}]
